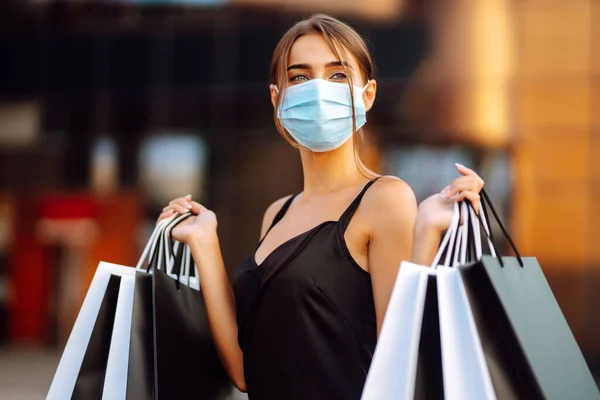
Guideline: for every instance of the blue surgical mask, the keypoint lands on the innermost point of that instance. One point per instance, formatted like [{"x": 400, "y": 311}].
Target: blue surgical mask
[{"x": 318, "y": 113}]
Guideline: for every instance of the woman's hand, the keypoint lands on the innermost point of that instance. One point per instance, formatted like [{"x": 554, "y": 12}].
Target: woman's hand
[
  {"x": 436, "y": 211},
  {"x": 200, "y": 227}
]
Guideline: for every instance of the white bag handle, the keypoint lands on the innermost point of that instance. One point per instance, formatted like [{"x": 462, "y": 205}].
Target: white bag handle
[
  {"x": 448, "y": 238},
  {"x": 153, "y": 242},
  {"x": 469, "y": 213},
  {"x": 192, "y": 281},
  {"x": 470, "y": 221},
  {"x": 184, "y": 277},
  {"x": 455, "y": 240},
  {"x": 165, "y": 249}
]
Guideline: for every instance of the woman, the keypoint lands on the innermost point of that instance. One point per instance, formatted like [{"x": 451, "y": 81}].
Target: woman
[{"x": 311, "y": 298}]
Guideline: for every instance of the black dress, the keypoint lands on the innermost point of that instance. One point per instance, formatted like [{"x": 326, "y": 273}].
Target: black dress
[{"x": 306, "y": 316}]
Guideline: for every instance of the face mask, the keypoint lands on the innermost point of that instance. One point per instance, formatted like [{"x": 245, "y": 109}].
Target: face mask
[{"x": 318, "y": 113}]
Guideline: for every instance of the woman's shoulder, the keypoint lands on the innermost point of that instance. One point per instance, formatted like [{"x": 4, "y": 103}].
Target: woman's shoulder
[
  {"x": 389, "y": 205},
  {"x": 390, "y": 200},
  {"x": 390, "y": 191}
]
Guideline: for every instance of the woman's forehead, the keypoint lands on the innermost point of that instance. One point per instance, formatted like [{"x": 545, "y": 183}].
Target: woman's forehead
[{"x": 314, "y": 50}]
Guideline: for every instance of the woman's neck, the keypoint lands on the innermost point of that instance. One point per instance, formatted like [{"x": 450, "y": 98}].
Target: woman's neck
[{"x": 330, "y": 171}]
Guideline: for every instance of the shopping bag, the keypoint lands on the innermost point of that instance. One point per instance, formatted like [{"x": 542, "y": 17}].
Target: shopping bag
[
  {"x": 82, "y": 366},
  {"x": 465, "y": 372},
  {"x": 406, "y": 363},
  {"x": 529, "y": 347},
  {"x": 429, "y": 378},
  {"x": 115, "y": 380},
  {"x": 172, "y": 354},
  {"x": 91, "y": 362},
  {"x": 400, "y": 334}
]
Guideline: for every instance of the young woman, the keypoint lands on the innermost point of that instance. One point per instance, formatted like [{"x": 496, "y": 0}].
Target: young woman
[{"x": 302, "y": 319}]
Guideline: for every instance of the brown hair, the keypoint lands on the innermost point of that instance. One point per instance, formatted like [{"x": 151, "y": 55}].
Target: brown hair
[{"x": 338, "y": 35}]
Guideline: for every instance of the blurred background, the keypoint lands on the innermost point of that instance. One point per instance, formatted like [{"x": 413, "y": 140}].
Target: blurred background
[{"x": 108, "y": 109}]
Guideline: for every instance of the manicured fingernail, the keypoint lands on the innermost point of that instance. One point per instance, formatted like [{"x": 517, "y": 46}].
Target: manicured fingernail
[
  {"x": 189, "y": 206},
  {"x": 459, "y": 165},
  {"x": 188, "y": 196},
  {"x": 445, "y": 190}
]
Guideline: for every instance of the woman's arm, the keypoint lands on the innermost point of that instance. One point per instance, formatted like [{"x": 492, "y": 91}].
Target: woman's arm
[
  {"x": 200, "y": 233},
  {"x": 393, "y": 210},
  {"x": 220, "y": 307}
]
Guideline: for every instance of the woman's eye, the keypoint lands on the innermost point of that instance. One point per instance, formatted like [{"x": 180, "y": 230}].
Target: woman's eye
[
  {"x": 298, "y": 78},
  {"x": 339, "y": 75}
]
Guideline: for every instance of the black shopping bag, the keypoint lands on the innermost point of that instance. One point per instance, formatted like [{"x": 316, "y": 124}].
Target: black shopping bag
[
  {"x": 429, "y": 379},
  {"x": 529, "y": 347},
  {"x": 172, "y": 353}
]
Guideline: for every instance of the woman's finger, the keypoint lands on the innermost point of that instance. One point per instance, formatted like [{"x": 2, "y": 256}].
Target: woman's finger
[
  {"x": 469, "y": 172},
  {"x": 464, "y": 170},
  {"x": 197, "y": 208},
  {"x": 164, "y": 214},
  {"x": 473, "y": 197},
  {"x": 461, "y": 184},
  {"x": 184, "y": 201},
  {"x": 179, "y": 208},
  {"x": 180, "y": 205}
]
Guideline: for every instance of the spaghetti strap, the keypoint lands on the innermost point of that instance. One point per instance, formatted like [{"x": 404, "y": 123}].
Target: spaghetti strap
[
  {"x": 279, "y": 215},
  {"x": 349, "y": 213}
]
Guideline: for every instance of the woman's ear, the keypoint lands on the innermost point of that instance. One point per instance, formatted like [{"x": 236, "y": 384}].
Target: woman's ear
[
  {"x": 369, "y": 94},
  {"x": 274, "y": 94}
]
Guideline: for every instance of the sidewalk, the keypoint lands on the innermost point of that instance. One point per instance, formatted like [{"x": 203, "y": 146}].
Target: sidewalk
[{"x": 26, "y": 373}]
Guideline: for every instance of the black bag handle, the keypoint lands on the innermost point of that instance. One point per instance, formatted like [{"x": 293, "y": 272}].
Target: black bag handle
[{"x": 485, "y": 202}]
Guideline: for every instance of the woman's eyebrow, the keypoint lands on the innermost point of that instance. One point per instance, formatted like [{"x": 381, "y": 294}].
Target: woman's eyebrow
[
  {"x": 331, "y": 64},
  {"x": 334, "y": 64},
  {"x": 299, "y": 66}
]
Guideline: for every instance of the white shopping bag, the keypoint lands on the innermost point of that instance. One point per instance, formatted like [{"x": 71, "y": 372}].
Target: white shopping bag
[
  {"x": 465, "y": 371},
  {"x": 67, "y": 372},
  {"x": 394, "y": 365}
]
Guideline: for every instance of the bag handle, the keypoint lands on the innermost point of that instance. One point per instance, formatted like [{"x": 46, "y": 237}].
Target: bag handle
[
  {"x": 448, "y": 239},
  {"x": 160, "y": 257},
  {"x": 176, "y": 254},
  {"x": 188, "y": 260},
  {"x": 472, "y": 235},
  {"x": 153, "y": 242},
  {"x": 465, "y": 238},
  {"x": 483, "y": 218},
  {"x": 460, "y": 256}
]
